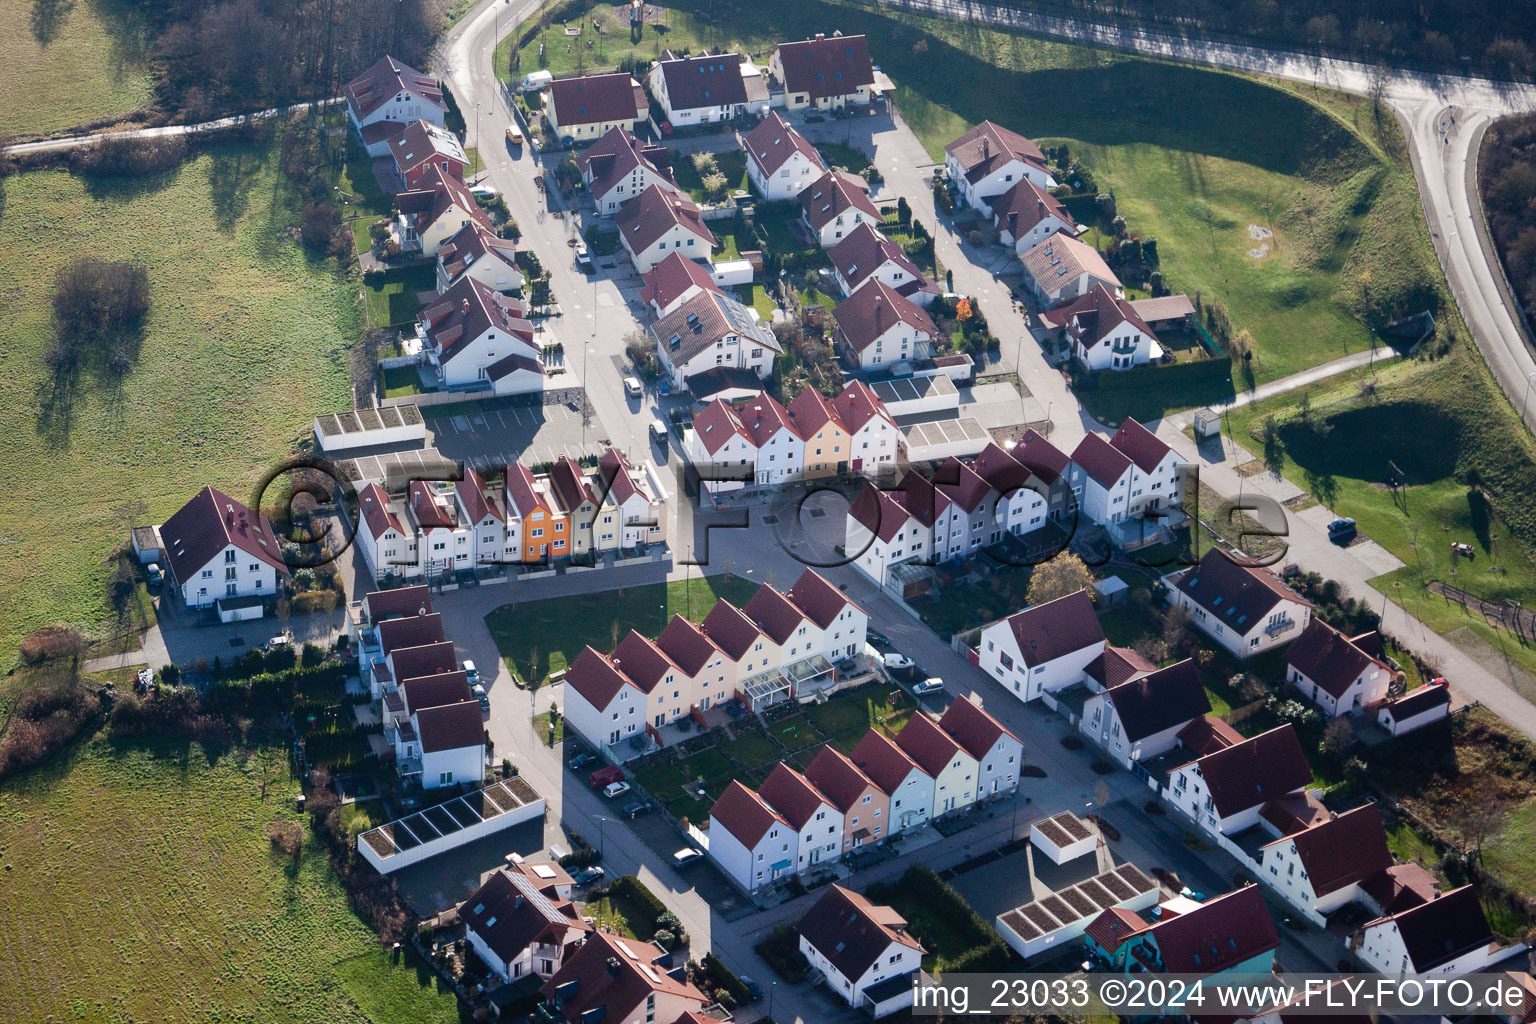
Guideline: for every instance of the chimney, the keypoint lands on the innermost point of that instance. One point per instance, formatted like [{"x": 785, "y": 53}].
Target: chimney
[
  {"x": 879, "y": 318},
  {"x": 820, "y": 36},
  {"x": 1040, "y": 208},
  {"x": 1013, "y": 224},
  {"x": 986, "y": 147},
  {"x": 466, "y": 305},
  {"x": 613, "y": 967}
]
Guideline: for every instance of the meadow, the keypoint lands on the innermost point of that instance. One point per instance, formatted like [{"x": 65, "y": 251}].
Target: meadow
[
  {"x": 246, "y": 340},
  {"x": 65, "y": 63}
]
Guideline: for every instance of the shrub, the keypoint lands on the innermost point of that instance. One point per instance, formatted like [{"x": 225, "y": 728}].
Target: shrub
[
  {"x": 286, "y": 837},
  {"x": 51, "y": 643},
  {"x": 99, "y": 308},
  {"x": 942, "y": 199},
  {"x": 129, "y": 157},
  {"x": 45, "y": 719},
  {"x": 317, "y": 224}
]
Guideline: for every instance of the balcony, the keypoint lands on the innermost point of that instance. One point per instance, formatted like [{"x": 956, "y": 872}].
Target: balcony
[{"x": 1274, "y": 629}]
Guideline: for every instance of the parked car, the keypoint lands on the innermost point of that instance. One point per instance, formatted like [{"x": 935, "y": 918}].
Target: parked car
[
  {"x": 514, "y": 135},
  {"x": 614, "y": 789},
  {"x": 659, "y": 434},
  {"x": 877, "y": 639},
  {"x": 472, "y": 673},
  {"x": 632, "y": 387},
  {"x": 153, "y": 574},
  {"x": 281, "y": 640},
  {"x": 590, "y": 876},
  {"x": 933, "y": 684},
  {"x": 605, "y": 776},
  {"x": 895, "y": 659},
  {"x": 480, "y": 695},
  {"x": 686, "y": 856},
  {"x": 754, "y": 990},
  {"x": 482, "y": 192},
  {"x": 583, "y": 256},
  {"x": 1341, "y": 527},
  {"x": 580, "y": 761},
  {"x": 638, "y": 808}
]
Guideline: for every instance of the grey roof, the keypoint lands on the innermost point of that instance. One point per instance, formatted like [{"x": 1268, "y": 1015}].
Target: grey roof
[{"x": 704, "y": 319}]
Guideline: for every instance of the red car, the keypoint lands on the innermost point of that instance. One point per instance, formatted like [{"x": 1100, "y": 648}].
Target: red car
[{"x": 605, "y": 776}]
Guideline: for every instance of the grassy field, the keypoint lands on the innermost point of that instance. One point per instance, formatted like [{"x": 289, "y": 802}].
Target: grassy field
[
  {"x": 82, "y": 63},
  {"x": 390, "y": 298},
  {"x": 239, "y": 315},
  {"x": 1476, "y": 439},
  {"x": 140, "y": 885},
  {"x": 539, "y": 637}
]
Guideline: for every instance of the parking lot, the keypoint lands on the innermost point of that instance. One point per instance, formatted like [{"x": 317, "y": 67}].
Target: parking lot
[{"x": 495, "y": 433}]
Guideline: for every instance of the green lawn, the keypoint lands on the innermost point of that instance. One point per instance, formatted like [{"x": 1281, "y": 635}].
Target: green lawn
[
  {"x": 756, "y": 296},
  {"x": 1475, "y": 437},
  {"x": 84, "y": 63},
  {"x": 390, "y": 298},
  {"x": 1508, "y": 855},
  {"x": 165, "y": 902},
  {"x": 401, "y": 380},
  {"x": 733, "y": 165},
  {"x": 246, "y": 340},
  {"x": 845, "y": 722},
  {"x": 838, "y": 154},
  {"x": 1405, "y": 841},
  {"x": 540, "y": 637},
  {"x": 541, "y": 727}
]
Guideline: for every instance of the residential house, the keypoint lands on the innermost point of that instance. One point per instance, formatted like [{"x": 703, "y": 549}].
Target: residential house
[
  {"x": 1061, "y": 268},
  {"x": 220, "y": 552},
  {"x": 796, "y": 637},
  {"x": 743, "y": 643},
  {"x": 780, "y": 451},
  {"x": 721, "y": 450},
  {"x": 842, "y": 623},
  {"x": 1229, "y": 934},
  {"x": 572, "y": 490},
  {"x": 704, "y": 87},
  {"x": 999, "y": 753},
  {"x": 950, "y": 765},
  {"x": 864, "y": 807},
  {"x": 1228, "y": 791},
  {"x": 538, "y": 524},
  {"x": 662, "y": 221},
  {"x": 633, "y": 513},
  {"x": 1104, "y": 332},
  {"x": 1447, "y": 935},
  {"x": 602, "y": 704},
  {"x": 862, "y": 950},
  {"x": 834, "y": 204},
  {"x": 1051, "y": 466},
  {"x": 1340, "y": 674},
  {"x": 1246, "y": 609},
  {"x": 989, "y": 159},
  {"x": 388, "y": 95},
  {"x": 966, "y": 516},
  {"x": 818, "y": 824},
  {"x": 1415, "y": 709},
  {"x": 1129, "y": 484},
  {"x": 422, "y": 144},
  {"x": 1026, "y": 215},
  {"x": 655, "y": 675},
  {"x": 813, "y": 418},
  {"x": 618, "y": 167},
  {"x": 1020, "y": 505},
  {"x": 477, "y": 253},
  {"x": 1043, "y": 649},
  {"x": 874, "y": 440},
  {"x": 824, "y": 73},
  {"x": 1323, "y": 867},
  {"x": 674, "y": 281},
  {"x": 617, "y": 980},
  {"x": 519, "y": 930},
  {"x": 470, "y": 330},
  {"x": 885, "y": 529},
  {"x": 864, "y": 253},
  {"x": 481, "y": 511},
  {"x": 877, "y": 326},
  {"x": 1142, "y": 718},
  {"x": 434, "y": 211},
  {"x": 408, "y": 658},
  {"x": 711, "y": 330},
  {"x": 710, "y": 674},
  {"x": 586, "y": 108},
  {"x": 908, "y": 789},
  {"x": 445, "y": 544},
  {"x": 781, "y": 163},
  {"x": 452, "y": 739},
  {"x": 749, "y": 841}
]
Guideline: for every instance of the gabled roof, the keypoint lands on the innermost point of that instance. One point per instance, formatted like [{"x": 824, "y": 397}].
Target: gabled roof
[
  {"x": 1400, "y": 887},
  {"x": 809, "y": 412},
  {"x": 989, "y": 147},
  {"x": 421, "y": 141},
  {"x": 1100, "y": 459},
  {"x": 1268, "y": 766},
  {"x": 435, "y": 690},
  {"x": 385, "y": 604},
  {"x": 640, "y": 660},
  {"x": 821, "y": 602},
  {"x": 478, "y": 499},
  {"x": 374, "y": 510},
  {"x": 1419, "y": 700},
  {"x": 467, "y": 310},
  {"x": 1328, "y": 658},
  {"x": 1026, "y": 204},
  {"x": 1208, "y": 734},
  {"x": 1117, "y": 665},
  {"x": 763, "y": 417},
  {"x": 730, "y": 629},
  {"x": 1237, "y": 595},
  {"x": 776, "y": 615},
  {"x": 421, "y": 500},
  {"x": 1000, "y": 470},
  {"x": 1061, "y": 258},
  {"x": 471, "y": 244},
  {"x": 971, "y": 727},
  {"x": 615, "y": 974},
  {"x": 924, "y": 742},
  {"x": 716, "y": 424},
  {"x": 510, "y": 913},
  {"x": 792, "y": 795},
  {"x": 878, "y": 512},
  {"x": 703, "y": 80},
  {"x": 1040, "y": 456},
  {"x": 596, "y": 678},
  {"x": 838, "y": 778},
  {"x": 424, "y": 660},
  {"x": 1169, "y": 697},
  {"x": 961, "y": 484},
  {"x": 1343, "y": 850},
  {"x": 449, "y": 727},
  {"x": 723, "y": 382},
  {"x": 594, "y": 99},
  {"x": 570, "y": 484},
  {"x": 1095, "y": 315},
  {"x": 1439, "y": 931},
  {"x": 618, "y": 477},
  {"x": 616, "y": 155},
  {"x": 834, "y": 193},
  {"x": 874, "y": 309},
  {"x": 920, "y": 498},
  {"x": 523, "y": 495},
  {"x": 1056, "y": 628},
  {"x": 1217, "y": 935},
  {"x": 698, "y": 323},
  {"x": 1138, "y": 443},
  {"x": 744, "y": 814},
  {"x": 686, "y": 645},
  {"x": 1115, "y": 927},
  {"x": 410, "y": 631},
  {"x": 668, "y": 280},
  {"x": 863, "y": 251},
  {"x": 852, "y": 933},
  {"x": 826, "y": 66},
  {"x": 857, "y": 404},
  {"x": 885, "y": 763},
  {"x": 208, "y": 524},
  {"x": 435, "y": 195},
  {"x": 774, "y": 141},
  {"x": 656, "y": 211},
  {"x": 381, "y": 83}
]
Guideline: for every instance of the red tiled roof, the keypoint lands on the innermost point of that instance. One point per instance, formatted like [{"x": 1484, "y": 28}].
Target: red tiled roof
[
  {"x": 510, "y": 913},
  {"x": 924, "y": 742},
  {"x": 827, "y": 66},
  {"x": 878, "y": 512},
  {"x": 1238, "y": 595},
  {"x": 1444, "y": 928},
  {"x": 594, "y": 677},
  {"x": 863, "y": 251},
  {"x": 1419, "y": 700},
  {"x": 410, "y": 631},
  {"x": 1094, "y": 316},
  {"x": 1328, "y": 658},
  {"x": 1100, "y": 459},
  {"x": 763, "y": 417},
  {"x": 1294, "y": 812},
  {"x": 1026, "y": 204},
  {"x": 687, "y": 646},
  {"x": 449, "y": 727},
  {"x": 961, "y": 484},
  {"x": 522, "y": 496},
  {"x": 874, "y": 309},
  {"x": 209, "y": 523},
  {"x": 921, "y": 499},
  {"x": 1165, "y": 698},
  {"x": 773, "y": 142},
  {"x": 476, "y": 497},
  {"x": 1400, "y": 887},
  {"x": 1062, "y": 258},
  {"x": 570, "y": 483},
  {"x": 373, "y": 504},
  {"x": 1000, "y": 470},
  {"x": 1114, "y": 927},
  {"x": 744, "y": 814},
  {"x": 821, "y": 602},
  {"x": 1208, "y": 734},
  {"x": 656, "y": 211},
  {"x": 381, "y": 83},
  {"x": 716, "y": 424},
  {"x": 857, "y": 404},
  {"x": 809, "y": 412},
  {"x": 1343, "y": 850},
  {"x": 1268, "y": 766},
  {"x": 838, "y": 778},
  {"x": 833, "y": 193},
  {"x": 422, "y": 502},
  {"x": 1040, "y": 456},
  {"x": 886, "y": 764},
  {"x": 435, "y": 195},
  {"x": 610, "y": 159},
  {"x": 618, "y": 477},
  {"x": 384, "y": 604},
  {"x": 424, "y": 660},
  {"x": 851, "y": 932},
  {"x": 594, "y": 99},
  {"x": 434, "y": 691},
  {"x": 776, "y": 615},
  {"x": 971, "y": 727},
  {"x": 1138, "y": 443},
  {"x": 703, "y": 80},
  {"x": 668, "y": 280},
  {"x": 730, "y": 629},
  {"x": 421, "y": 141},
  {"x": 641, "y": 660},
  {"x": 615, "y": 974},
  {"x": 988, "y": 146},
  {"x": 1049, "y": 631},
  {"x": 792, "y": 795},
  {"x": 469, "y": 244},
  {"x": 1118, "y": 665},
  {"x": 1219, "y": 934},
  {"x": 467, "y": 310}
]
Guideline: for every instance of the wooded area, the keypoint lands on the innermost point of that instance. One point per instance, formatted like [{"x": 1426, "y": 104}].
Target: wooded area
[{"x": 1508, "y": 184}]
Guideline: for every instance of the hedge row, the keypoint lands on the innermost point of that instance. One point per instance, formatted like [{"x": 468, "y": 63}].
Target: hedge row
[{"x": 1140, "y": 378}]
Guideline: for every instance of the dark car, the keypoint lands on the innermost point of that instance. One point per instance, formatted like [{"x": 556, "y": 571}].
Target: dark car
[
  {"x": 638, "y": 808},
  {"x": 590, "y": 876},
  {"x": 1341, "y": 529},
  {"x": 754, "y": 990},
  {"x": 580, "y": 761},
  {"x": 877, "y": 639}
]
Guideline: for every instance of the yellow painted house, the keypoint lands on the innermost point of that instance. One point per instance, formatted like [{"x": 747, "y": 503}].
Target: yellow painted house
[
  {"x": 827, "y": 443},
  {"x": 587, "y": 108}
]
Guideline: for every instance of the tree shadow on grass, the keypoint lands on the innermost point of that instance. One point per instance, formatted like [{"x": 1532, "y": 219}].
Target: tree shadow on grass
[
  {"x": 232, "y": 176},
  {"x": 1481, "y": 516},
  {"x": 48, "y": 18},
  {"x": 55, "y": 399}
]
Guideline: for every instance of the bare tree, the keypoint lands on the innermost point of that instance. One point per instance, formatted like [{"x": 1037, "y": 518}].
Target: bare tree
[{"x": 1476, "y": 821}]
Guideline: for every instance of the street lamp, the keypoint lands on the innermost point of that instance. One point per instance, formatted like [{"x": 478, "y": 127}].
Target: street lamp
[
  {"x": 772, "y": 986},
  {"x": 1528, "y": 378},
  {"x": 477, "y": 136},
  {"x": 601, "y": 821}
]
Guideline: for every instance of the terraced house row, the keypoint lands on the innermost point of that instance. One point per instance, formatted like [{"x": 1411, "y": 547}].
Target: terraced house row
[
  {"x": 796, "y": 821},
  {"x": 439, "y": 527}
]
